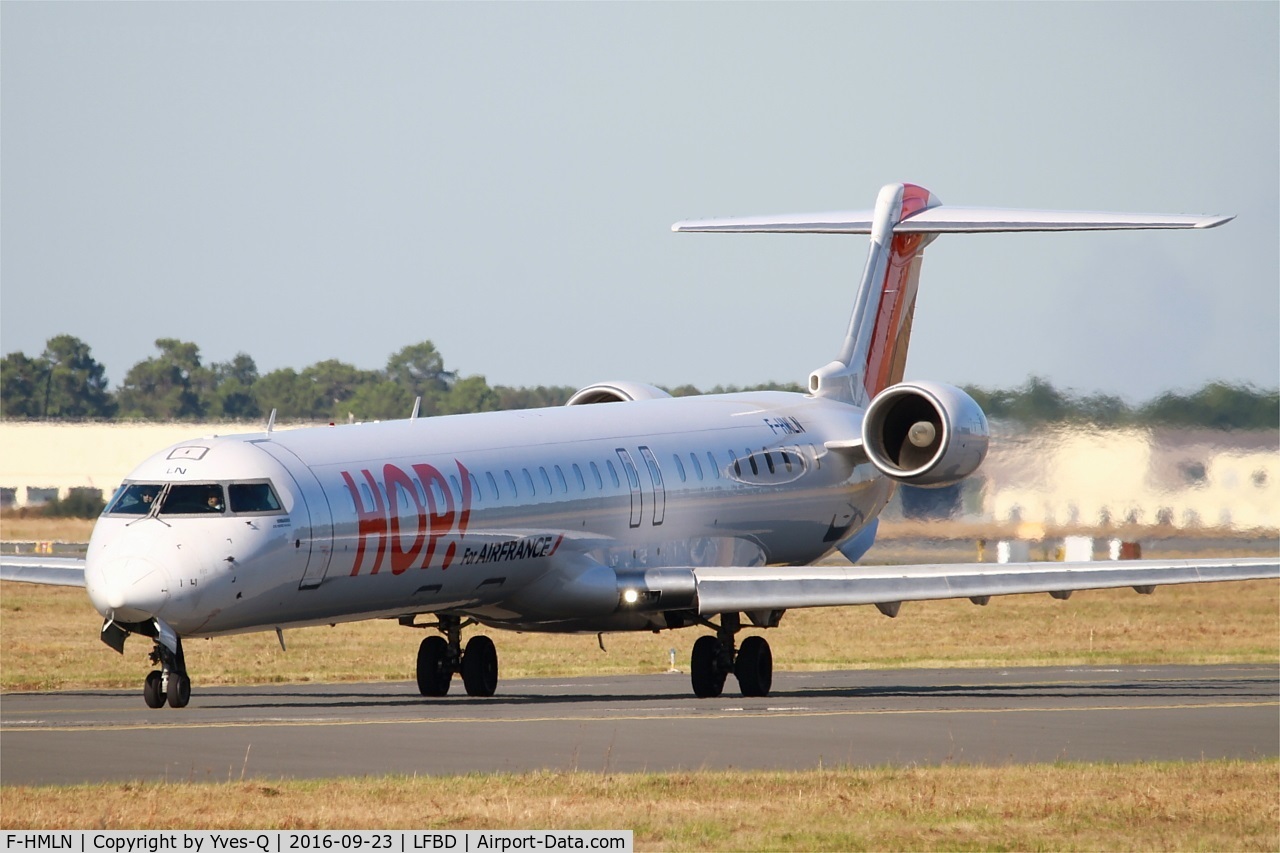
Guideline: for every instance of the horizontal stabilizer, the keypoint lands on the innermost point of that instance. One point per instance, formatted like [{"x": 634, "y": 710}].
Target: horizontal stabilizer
[{"x": 946, "y": 219}]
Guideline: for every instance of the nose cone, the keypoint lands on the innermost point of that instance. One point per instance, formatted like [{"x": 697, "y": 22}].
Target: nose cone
[{"x": 129, "y": 589}]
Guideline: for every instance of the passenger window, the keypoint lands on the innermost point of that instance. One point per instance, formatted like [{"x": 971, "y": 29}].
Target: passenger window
[
  {"x": 768, "y": 461},
  {"x": 528, "y": 481},
  {"x": 406, "y": 507},
  {"x": 193, "y": 499},
  {"x": 737, "y": 468},
  {"x": 786, "y": 459},
  {"x": 697, "y": 466},
  {"x": 564, "y": 487},
  {"x": 134, "y": 499},
  {"x": 613, "y": 472},
  {"x": 679, "y": 467},
  {"x": 475, "y": 487},
  {"x": 595, "y": 472},
  {"x": 457, "y": 487},
  {"x": 546, "y": 480},
  {"x": 577, "y": 474},
  {"x": 493, "y": 485},
  {"x": 253, "y": 497},
  {"x": 511, "y": 483},
  {"x": 715, "y": 466}
]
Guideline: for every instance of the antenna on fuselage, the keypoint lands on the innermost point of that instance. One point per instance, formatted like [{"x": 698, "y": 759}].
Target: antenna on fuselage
[
  {"x": 271, "y": 421},
  {"x": 417, "y": 405}
]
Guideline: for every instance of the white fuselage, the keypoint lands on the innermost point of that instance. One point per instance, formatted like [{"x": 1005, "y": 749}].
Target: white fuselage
[{"x": 520, "y": 519}]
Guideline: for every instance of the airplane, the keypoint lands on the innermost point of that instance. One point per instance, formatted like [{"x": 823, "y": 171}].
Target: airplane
[{"x": 648, "y": 514}]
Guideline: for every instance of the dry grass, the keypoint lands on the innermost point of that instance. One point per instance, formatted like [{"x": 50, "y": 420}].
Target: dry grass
[
  {"x": 1216, "y": 805},
  {"x": 49, "y": 640},
  {"x": 15, "y": 528}
]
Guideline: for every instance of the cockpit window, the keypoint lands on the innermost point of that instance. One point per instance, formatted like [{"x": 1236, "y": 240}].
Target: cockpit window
[
  {"x": 253, "y": 497},
  {"x": 193, "y": 499},
  {"x": 134, "y": 499}
]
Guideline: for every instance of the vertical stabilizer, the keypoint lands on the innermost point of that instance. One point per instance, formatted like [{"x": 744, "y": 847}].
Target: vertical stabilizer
[
  {"x": 874, "y": 352},
  {"x": 907, "y": 218}
]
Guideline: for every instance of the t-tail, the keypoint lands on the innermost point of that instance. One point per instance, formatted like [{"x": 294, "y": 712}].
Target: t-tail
[{"x": 907, "y": 218}]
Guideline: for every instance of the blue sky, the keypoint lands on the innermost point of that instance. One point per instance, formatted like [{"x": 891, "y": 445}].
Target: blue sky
[{"x": 312, "y": 181}]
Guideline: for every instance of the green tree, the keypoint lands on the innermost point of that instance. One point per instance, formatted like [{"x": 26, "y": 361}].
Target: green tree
[
  {"x": 763, "y": 386},
  {"x": 170, "y": 386},
  {"x": 1036, "y": 402},
  {"x": 77, "y": 383},
  {"x": 337, "y": 382},
  {"x": 1102, "y": 410},
  {"x": 472, "y": 394},
  {"x": 537, "y": 397},
  {"x": 79, "y": 503},
  {"x": 684, "y": 391},
  {"x": 419, "y": 370},
  {"x": 64, "y": 382},
  {"x": 379, "y": 401},
  {"x": 1218, "y": 405},
  {"x": 21, "y": 386},
  {"x": 292, "y": 395},
  {"x": 233, "y": 396}
]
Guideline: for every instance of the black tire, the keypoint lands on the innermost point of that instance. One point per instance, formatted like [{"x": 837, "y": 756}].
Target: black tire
[
  {"x": 708, "y": 679},
  {"x": 152, "y": 692},
  {"x": 179, "y": 690},
  {"x": 480, "y": 667},
  {"x": 754, "y": 666},
  {"x": 434, "y": 675}
]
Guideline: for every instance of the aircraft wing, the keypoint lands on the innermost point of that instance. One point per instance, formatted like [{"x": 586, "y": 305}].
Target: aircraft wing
[
  {"x": 55, "y": 571},
  {"x": 747, "y": 589}
]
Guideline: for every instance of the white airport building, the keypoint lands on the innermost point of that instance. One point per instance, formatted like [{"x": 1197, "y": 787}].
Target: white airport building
[{"x": 1061, "y": 477}]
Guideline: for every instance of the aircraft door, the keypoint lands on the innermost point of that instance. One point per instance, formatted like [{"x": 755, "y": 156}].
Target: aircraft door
[
  {"x": 659, "y": 491},
  {"x": 316, "y": 541},
  {"x": 633, "y": 481}
]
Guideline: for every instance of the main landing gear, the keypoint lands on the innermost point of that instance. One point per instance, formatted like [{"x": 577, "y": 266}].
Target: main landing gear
[
  {"x": 440, "y": 657},
  {"x": 170, "y": 683},
  {"x": 715, "y": 657}
]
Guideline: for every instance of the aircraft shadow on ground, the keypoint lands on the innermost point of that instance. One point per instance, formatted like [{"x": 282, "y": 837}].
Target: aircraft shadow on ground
[{"x": 1252, "y": 689}]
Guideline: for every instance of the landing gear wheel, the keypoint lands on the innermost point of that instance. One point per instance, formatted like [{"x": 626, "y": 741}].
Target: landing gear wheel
[
  {"x": 179, "y": 689},
  {"x": 708, "y": 679},
  {"x": 434, "y": 674},
  {"x": 153, "y": 690},
  {"x": 480, "y": 667},
  {"x": 754, "y": 667}
]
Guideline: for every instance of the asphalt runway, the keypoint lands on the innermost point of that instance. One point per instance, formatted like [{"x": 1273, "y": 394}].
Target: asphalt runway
[{"x": 652, "y": 722}]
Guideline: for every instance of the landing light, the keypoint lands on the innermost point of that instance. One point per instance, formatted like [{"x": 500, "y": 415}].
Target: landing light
[{"x": 630, "y": 596}]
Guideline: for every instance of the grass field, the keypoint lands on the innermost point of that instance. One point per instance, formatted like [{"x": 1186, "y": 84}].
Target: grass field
[
  {"x": 1212, "y": 805},
  {"x": 48, "y": 640}
]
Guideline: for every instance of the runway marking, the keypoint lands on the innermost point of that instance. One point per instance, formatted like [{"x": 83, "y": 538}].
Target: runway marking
[
  {"x": 152, "y": 726},
  {"x": 214, "y": 691}
]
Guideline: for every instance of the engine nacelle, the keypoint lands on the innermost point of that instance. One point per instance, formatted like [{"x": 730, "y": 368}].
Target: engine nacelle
[
  {"x": 616, "y": 392},
  {"x": 925, "y": 433}
]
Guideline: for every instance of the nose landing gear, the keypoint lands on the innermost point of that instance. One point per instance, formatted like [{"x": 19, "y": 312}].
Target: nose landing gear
[{"x": 170, "y": 683}]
